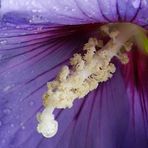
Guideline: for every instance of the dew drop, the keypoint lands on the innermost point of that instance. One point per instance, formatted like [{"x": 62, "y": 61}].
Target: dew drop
[
  {"x": 12, "y": 125},
  {"x": 73, "y": 10},
  {"x": 31, "y": 103},
  {"x": 6, "y": 88},
  {"x": 56, "y": 8},
  {"x": 3, "y": 141},
  {"x": 6, "y": 111},
  {"x": 5, "y": 34},
  {"x": 32, "y": 71},
  {"x": 3, "y": 42},
  {"x": 34, "y": 10},
  {"x": 30, "y": 21},
  {"x": 18, "y": 27},
  {"x": 144, "y": 2},
  {"x": 22, "y": 125},
  {"x": 136, "y": 3}
]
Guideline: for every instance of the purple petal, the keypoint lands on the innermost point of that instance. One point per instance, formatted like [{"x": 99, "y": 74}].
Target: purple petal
[
  {"x": 30, "y": 57},
  {"x": 74, "y": 11},
  {"x": 101, "y": 121},
  {"x": 137, "y": 81}
]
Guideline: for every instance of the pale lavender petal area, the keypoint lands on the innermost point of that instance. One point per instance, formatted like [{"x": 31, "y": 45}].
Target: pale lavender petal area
[{"x": 75, "y": 11}]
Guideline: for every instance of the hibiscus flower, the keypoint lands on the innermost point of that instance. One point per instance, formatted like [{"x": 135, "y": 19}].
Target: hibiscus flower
[{"x": 38, "y": 38}]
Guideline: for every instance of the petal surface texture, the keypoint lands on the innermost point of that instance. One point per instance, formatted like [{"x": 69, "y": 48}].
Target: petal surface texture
[{"x": 74, "y": 11}]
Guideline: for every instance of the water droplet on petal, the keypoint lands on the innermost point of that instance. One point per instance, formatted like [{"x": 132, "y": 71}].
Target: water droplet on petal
[
  {"x": 18, "y": 27},
  {"x": 3, "y": 42},
  {"x": 31, "y": 103},
  {"x": 56, "y": 8},
  {"x": 5, "y": 34},
  {"x": 6, "y": 111},
  {"x": 6, "y": 88},
  {"x": 136, "y": 3},
  {"x": 22, "y": 125},
  {"x": 3, "y": 141},
  {"x": 12, "y": 125},
  {"x": 32, "y": 71},
  {"x": 73, "y": 9}
]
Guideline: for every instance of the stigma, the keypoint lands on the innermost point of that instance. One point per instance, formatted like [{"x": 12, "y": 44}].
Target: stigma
[{"x": 84, "y": 73}]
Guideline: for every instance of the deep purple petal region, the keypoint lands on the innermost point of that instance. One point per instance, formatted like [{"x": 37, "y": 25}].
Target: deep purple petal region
[{"x": 135, "y": 74}]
